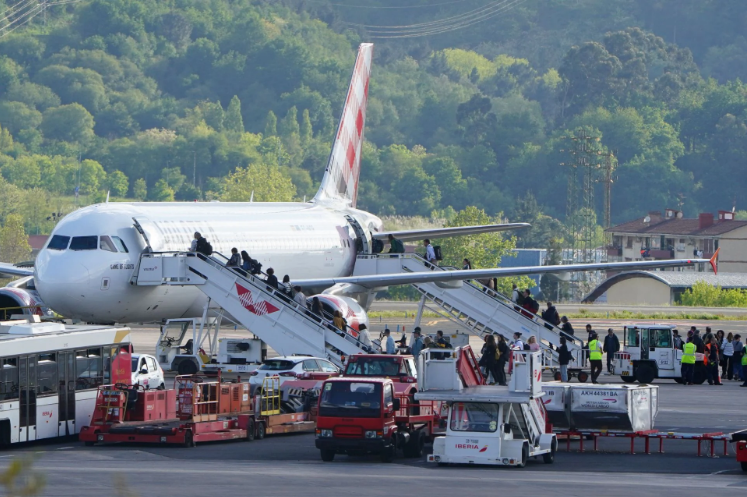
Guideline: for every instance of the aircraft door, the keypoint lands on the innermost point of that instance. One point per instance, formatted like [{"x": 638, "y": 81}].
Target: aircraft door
[
  {"x": 363, "y": 242},
  {"x": 151, "y": 234},
  {"x": 645, "y": 342}
]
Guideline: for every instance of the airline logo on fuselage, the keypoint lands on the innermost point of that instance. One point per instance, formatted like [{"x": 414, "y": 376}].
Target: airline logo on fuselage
[{"x": 259, "y": 308}]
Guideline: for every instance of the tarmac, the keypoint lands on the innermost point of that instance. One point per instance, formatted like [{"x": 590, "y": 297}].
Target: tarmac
[{"x": 289, "y": 465}]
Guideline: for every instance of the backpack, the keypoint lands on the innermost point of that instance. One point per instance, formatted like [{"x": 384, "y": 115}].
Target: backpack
[
  {"x": 437, "y": 251},
  {"x": 204, "y": 247},
  {"x": 534, "y": 305},
  {"x": 256, "y": 266},
  {"x": 208, "y": 248}
]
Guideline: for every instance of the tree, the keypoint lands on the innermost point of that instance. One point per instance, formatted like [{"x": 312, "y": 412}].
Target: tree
[
  {"x": 14, "y": 244},
  {"x": 6, "y": 140},
  {"x": 162, "y": 192},
  {"x": 118, "y": 183},
  {"x": 484, "y": 250},
  {"x": 16, "y": 116},
  {"x": 71, "y": 123},
  {"x": 271, "y": 125},
  {"x": 139, "y": 189},
  {"x": 307, "y": 132},
  {"x": 173, "y": 177},
  {"x": 233, "y": 120},
  {"x": 267, "y": 183},
  {"x": 92, "y": 176}
]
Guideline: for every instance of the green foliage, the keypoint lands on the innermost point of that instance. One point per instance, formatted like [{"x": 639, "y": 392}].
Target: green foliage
[
  {"x": 265, "y": 182},
  {"x": 233, "y": 120},
  {"x": 161, "y": 192},
  {"x": 71, "y": 123},
  {"x": 118, "y": 183},
  {"x": 14, "y": 245},
  {"x": 139, "y": 189},
  {"x": 704, "y": 295}
]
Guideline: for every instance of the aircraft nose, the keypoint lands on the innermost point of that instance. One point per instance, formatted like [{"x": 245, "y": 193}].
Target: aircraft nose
[{"x": 62, "y": 285}]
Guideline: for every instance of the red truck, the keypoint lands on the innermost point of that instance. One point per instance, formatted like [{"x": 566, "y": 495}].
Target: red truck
[{"x": 372, "y": 410}]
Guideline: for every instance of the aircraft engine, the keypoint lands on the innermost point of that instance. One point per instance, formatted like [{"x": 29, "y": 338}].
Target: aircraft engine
[
  {"x": 350, "y": 309},
  {"x": 21, "y": 297}
]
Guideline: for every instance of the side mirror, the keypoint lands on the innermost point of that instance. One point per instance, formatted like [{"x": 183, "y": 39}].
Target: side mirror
[
  {"x": 506, "y": 428},
  {"x": 397, "y": 404}
]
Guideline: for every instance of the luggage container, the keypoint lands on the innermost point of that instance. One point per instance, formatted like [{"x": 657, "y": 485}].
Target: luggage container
[
  {"x": 630, "y": 408},
  {"x": 557, "y": 405}
]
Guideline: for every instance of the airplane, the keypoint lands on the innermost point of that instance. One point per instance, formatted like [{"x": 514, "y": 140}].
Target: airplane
[{"x": 85, "y": 270}]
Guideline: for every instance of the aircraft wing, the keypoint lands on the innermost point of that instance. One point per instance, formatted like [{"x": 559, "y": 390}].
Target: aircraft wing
[
  {"x": 13, "y": 270},
  {"x": 411, "y": 235},
  {"x": 438, "y": 275}
]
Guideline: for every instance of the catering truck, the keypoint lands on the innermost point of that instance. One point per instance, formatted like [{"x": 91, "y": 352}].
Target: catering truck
[{"x": 489, "y": 424}]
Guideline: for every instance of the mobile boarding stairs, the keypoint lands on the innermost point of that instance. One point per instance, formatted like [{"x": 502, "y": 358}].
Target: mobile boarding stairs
[
  {"x": 481, "y": 310},
  {"x": 280, "y": 322}
]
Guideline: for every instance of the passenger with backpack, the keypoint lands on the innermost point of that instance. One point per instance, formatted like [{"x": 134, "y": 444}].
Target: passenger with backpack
[
  {"x": 202, "y": 246},
  {"x": 235, "y": 260},
  {"x": 529, "y": 305}
]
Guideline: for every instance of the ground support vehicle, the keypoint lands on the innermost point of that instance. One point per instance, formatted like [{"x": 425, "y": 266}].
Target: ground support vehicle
[
  {"x": 649, "y": 353},
  {"x": 195, "y": 411},
  {"x": 50, "y": 372},
  {"x": 363, "y": 415},
  {"x": 489, "y": 424},
  {"x": 189, "y": 346},
  {"x": 740, "y": 439}
]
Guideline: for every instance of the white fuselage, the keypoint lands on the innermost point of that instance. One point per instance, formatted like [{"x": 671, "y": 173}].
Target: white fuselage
[{"x": 302, "y": 240}]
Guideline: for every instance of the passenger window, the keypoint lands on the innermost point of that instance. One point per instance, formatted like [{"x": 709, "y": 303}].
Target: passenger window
[
  {"x": 58, "y": 242},
  {"x": 9, "y": 379},
  {"x": 47, "y": 374},
  {"x": 328, "y": 367},
  {"x": 89, "y": 369},
  {"x": 105, "y": 243},
  {"x": 310, "y": 365},
  {"x": 663, "y": 339},
  {"x": 84, "y": 243},
  {"x": 151, "y": 364}
]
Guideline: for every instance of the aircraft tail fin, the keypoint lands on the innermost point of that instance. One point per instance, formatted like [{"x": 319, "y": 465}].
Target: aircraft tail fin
[{"x": 340, "y": 180}]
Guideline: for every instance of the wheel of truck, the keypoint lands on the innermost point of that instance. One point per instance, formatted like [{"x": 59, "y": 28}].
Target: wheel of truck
[
  {"x": 260, "y": 430},
  {"x": 414, "y": 447},
  {"x": 524, "y": 455},
  {"x": 88, "y": 444},
  {"x": 628, "y": 379},
  {"x": 387, "y": 455},
  {"x": 645, "y": 373},
  {"x": 189, "y": 440},
  {"x": 550, "y": 457},
  {"x": 327, "y": 455},
  {"x": 557, "y": 376},
  {"x": 744, "y": 466},
  {"x": 250, "y": 430},
  {"x": 583, "y": 376},
  {"x": 186, "y": 367}
]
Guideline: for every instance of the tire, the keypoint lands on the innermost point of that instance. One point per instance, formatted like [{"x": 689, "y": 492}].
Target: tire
[
  {"x": 744, "y": 466},
  {"x": 189, "y": 440},
  {"x": 550, "y": 457},
  {"x": 679, "y": 380},
  {"x": 88, "y": 444},
  {"x": 628, "y": 379},
  {"x": 387, "y": 455},
  {"x": 583, "y": 376},
  {"x": 250, "y": 431},
  {"x": 327, "y": 455},
  {"x": 524, "y": 456},
  {"x": 260, "y": 430},
  {"x": 414, "y": 447},
  {"x": 187, "y": 367},
  {"x": 557, "y": 376},
  {"x": 645, "y": 374}
]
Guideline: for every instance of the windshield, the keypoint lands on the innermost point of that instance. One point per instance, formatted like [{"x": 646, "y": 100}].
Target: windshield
[
  {"x": 277, "y": 365},
  {"x": 351, "y": 400},
  {"x": 471, "y": 416},
  {"x": 375, "y": 366},
  {"x": 84, "y": 243},
  {"x": 58, "y": 242},
  {"x": 135, "y": 361}
]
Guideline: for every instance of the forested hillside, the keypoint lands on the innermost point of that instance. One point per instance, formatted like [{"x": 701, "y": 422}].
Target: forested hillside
[{"x": 195, "y": 99}]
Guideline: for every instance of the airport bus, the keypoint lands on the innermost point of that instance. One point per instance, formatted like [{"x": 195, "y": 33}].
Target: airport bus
[{"x": 49, "y": 375}]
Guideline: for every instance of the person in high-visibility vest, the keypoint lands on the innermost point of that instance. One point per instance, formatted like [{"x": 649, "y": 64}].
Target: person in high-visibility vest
[
  {"x": 687, "y": 366},
  {"x": 744, "y": 370},
  {"x": 595, "y": 357}
]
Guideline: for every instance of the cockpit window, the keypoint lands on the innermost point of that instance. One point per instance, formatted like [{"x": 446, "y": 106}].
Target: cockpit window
[
  {"x": 58, "y": 242},
  {"x": 84, "y": 243},
  {"x": 105, "y": 243},
  {"x": 120, "y": 244}
]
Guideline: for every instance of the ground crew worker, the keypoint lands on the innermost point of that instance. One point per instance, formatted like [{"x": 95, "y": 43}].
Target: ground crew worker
[
  {"x": 417, "y": 342},
  {"x": 688, "y": 362},
  {"x": 595, "y": 357},
  {"x": 744, "y": 370}
]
